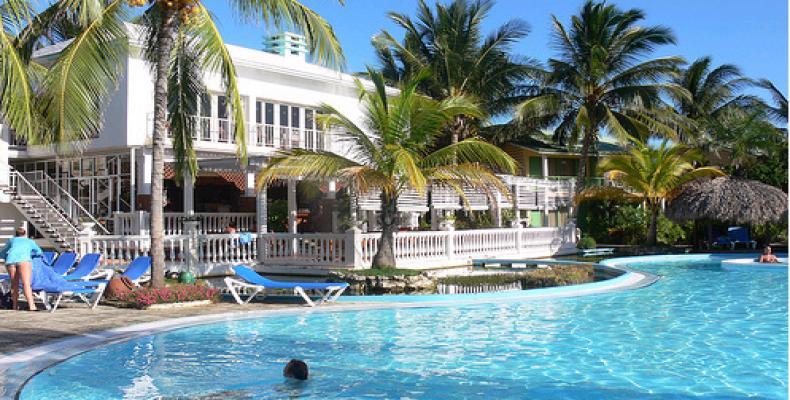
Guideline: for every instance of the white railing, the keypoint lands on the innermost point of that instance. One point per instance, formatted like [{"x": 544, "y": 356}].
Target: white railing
[
  {"x": 135, "y": 223},
  {"x": 353, "y": 249},
  {"x": 207, "y": 250},
  {"x": 309, "y": 249},
  {"x": 226, "y": 249},
  {"x": 212, "y": 130},
  {"x": 445, "y": 248}
]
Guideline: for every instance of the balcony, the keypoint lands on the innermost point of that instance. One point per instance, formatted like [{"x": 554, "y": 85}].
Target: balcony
[{"x": 217, "y": 134}]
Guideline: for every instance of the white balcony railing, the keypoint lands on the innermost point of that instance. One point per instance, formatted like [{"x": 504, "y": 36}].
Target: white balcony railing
[{"x": 220, "y": 131}]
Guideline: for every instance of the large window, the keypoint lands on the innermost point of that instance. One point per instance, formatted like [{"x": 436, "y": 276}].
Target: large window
[
  {"x": 283, "y": 115},
  {"x": 295, "y": 117}
]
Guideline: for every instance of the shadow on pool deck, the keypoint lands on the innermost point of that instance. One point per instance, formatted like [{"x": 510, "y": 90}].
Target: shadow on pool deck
[{"x": 23, "y": 329}]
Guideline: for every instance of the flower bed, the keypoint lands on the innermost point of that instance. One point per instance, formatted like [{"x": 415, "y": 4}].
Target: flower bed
[{"x": 145, "y": 297}]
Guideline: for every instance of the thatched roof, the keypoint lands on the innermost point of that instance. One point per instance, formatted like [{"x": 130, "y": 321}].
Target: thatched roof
[{"x": 729, "y": 199}]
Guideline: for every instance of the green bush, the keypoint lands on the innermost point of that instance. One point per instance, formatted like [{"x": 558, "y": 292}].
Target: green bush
[
  {"x": 632, "y": 222},
  {"x": 586, "y": 242},
  {"x": 385, "y": 272},
  {"x": 668, "y": 232}
]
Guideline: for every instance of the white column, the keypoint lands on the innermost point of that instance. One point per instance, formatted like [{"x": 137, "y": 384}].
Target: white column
[
  {"x": 5, "y": 170},
  {"x": 516, "y": 210},
  {"x": 146, "y": 167},
  {"x": 189, "y": 193},
  {"x": 249, "y": 190},
  {"x": 261, "y": 222},
  {"x": 331, "y": 195},
  {"x": 292, "y": 206},
  {"x": 132, "y": 179},
  {"x": 545, "y": 166}
]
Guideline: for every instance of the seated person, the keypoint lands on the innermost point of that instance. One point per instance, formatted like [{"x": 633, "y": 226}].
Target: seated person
[
  {"x": 767, "y": 256},
  {"x": 231, "y": 228}
]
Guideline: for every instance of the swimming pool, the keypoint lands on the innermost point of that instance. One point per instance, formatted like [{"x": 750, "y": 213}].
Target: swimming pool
[{"x": 700, "y": 331}]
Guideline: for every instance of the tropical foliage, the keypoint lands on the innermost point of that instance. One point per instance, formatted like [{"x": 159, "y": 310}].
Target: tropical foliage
[
  {"x": 448, "y": 40},
  {"x": 392, "y": 152},
  {"x": 651, "y": 174},
  {"x": 602, "y": 81}
]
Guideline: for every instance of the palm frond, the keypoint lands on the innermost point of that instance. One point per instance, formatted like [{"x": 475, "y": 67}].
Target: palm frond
[
  {"x": 76, "y": 89},
  {"x": 291, "y": 13}
]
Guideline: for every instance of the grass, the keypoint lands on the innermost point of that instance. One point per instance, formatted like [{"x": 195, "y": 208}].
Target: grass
[{"x": 385, "y": 272}]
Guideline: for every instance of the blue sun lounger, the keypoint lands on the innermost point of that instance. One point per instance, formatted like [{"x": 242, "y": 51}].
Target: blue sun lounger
[
  {"x": 251, "y": 279},
  {"x": 45, "y": 282},
  {"x": 86, "y": 269},
  {"x": 64, "y": 262},
  {"x": 135, "y": 270},
  {"x": 49, "y": 257}
]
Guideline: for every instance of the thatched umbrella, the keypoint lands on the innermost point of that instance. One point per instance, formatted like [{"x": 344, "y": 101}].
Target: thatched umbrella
[{"x": 729, "y": 199}]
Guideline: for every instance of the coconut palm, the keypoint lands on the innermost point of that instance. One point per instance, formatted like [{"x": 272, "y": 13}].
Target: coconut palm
[
  {"x": 710, "y": 92},
  {"x": 651, "y": 173},
  {"x": 601, "y": 81},
  {"x": 778, "y": 110},
  {"x": 391, "y": 153},
  {"x": 182, "y": 42},
  {"x": 449, "y": 41},
  {"x": 62, "y": 101}
]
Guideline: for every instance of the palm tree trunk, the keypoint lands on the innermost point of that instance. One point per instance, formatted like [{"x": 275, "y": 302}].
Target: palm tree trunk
[
  {"x": 385, "y": 256},
  {"x": 580, "y": 177},
  {"x": 652, "y": 232},
  {"x": 165, "y": 43}
]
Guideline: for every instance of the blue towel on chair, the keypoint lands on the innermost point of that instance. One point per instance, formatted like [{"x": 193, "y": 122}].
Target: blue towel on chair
[
  {"x": 245, "y": 238},
  {"x": 45, "y": 278}
]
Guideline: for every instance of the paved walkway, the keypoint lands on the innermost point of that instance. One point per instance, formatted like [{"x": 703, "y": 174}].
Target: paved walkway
[{"x": 22, "y": 329}]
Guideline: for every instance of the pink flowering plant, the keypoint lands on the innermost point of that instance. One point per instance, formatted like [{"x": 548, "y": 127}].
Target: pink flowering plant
[{"x": 145, "y": 297}]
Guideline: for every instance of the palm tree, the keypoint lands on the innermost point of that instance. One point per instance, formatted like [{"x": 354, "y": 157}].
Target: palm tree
[
  {"x": 449, "y": 41},
  {"x": 709, "y": 93},
  {"x": 653, "y": 174},
  {"x": 182, "y": 42},
  {"x": 391, "y": 152},
  {"x": 777, "y": 111},
  {"x": 600, "y": 80}
]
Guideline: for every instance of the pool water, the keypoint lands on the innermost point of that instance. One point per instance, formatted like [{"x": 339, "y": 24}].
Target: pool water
[{"x": 699, "y": 332}]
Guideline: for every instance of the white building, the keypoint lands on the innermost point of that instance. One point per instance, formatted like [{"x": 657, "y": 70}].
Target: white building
[{"x": 108, "y": 184}]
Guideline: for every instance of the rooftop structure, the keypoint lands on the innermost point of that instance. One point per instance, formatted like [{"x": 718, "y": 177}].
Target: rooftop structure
[{"x": 287, "y": 44}]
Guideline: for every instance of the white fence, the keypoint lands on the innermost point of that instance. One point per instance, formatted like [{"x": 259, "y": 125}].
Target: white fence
[{"x": 211, "y": 253}]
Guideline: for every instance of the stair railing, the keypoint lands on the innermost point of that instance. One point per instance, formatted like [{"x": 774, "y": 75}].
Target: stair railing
[{"x": 46, "y": 187}]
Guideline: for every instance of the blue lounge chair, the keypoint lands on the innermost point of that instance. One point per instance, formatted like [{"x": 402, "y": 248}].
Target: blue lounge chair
[
  {"x": 135, "y": 271},
  {"x": 735, "y": 235},
  {"x": 86, "y": 269},
  {"x": 64, "y": 262},
  {"x": 49, "y": 257},
  {"x": 46, "y": 282},
  {"x": 251, "y": 279}
]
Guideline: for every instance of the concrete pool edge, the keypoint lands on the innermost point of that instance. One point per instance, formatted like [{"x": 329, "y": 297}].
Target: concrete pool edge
[{"x": 19, "y": 367}]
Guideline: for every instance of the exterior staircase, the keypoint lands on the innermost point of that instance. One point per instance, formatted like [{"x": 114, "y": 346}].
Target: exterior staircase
[{"x": 49, "y": 208}]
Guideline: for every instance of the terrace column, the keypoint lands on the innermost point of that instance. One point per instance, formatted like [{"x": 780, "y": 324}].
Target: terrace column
[
  {"x": 544, "y": 162},
  {"x": 249, "y": 190},
  {"x": 262, "y": 222},
  {"x": 292, "y": 206},
  {"x": 189, "y": 193},
  {"x": 331, "y": 195},
  {"x": 516, "y": 210},
  {"x": 144, "y": 183}
]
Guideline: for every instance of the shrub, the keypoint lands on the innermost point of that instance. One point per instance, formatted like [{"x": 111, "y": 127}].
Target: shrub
[
  {"x": 385, "y": 272},
  {"x": 632, "y": 222},
  {"x": 145, "y": 296},
  {"x": 586, "y": 242}
]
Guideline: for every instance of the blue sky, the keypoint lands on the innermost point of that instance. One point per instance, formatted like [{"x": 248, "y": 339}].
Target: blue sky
[{"x": 751, "y": 34}]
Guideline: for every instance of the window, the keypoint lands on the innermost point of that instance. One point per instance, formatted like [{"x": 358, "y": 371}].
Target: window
[
  {"x": 309, "y": 119},
  {"x": 222, "y": 107},
  {"x": 258, "y": 112},
  {"x": 205, "y": 105},
  {"x": 295, "y": 117},
  {"x": 270, "y": 113},
  {"x": 283, "y": 115}
]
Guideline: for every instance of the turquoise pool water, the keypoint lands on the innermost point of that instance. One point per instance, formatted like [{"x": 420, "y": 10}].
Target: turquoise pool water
[{"x": 699, "y": 332}]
